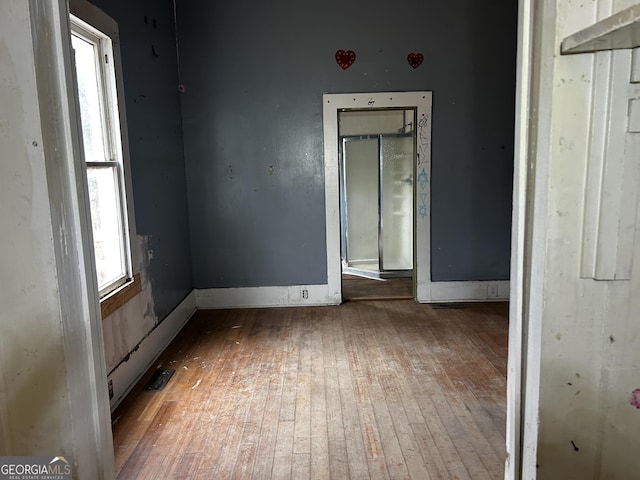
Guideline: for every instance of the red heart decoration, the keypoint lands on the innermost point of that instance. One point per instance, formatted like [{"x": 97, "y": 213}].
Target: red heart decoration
[
  {"x": 345, "y": 59},
  {"x": 415, "y": 59}
]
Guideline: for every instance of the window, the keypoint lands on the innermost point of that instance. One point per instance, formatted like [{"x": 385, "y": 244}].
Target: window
[{"x": 103, "y": 154}]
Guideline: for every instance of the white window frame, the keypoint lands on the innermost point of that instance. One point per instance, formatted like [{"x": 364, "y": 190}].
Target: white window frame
[{"x": 93, "y": 25}]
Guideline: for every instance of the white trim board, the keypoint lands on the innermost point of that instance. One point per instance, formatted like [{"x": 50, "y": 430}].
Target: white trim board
[
  {"x": 256, "y": 297},
  {"x": 517, "y": 335},
  {"x": 473, "y": 291},
  {"x": 332, "y": 104},
  {"x": 292, "y": 296},
  {"x": 129, "y": 372}
]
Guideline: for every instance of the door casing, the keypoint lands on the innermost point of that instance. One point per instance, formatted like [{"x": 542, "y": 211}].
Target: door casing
[{"x": 422, "y": 102}]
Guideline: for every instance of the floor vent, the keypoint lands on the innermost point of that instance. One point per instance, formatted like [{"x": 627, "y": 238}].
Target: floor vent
[{"x": 160, "y": 379}]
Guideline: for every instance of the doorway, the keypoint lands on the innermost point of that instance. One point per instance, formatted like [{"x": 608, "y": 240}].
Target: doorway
[
  {"x": 377, "y": 157},
  {"x": 387, "y": 244}
]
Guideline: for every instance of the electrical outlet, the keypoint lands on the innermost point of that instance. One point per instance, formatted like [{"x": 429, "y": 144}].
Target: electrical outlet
[
  {"x": 110, "y": 389},
  {"x": 305, "y": 294},
  {"x": 492, "y": 290}
]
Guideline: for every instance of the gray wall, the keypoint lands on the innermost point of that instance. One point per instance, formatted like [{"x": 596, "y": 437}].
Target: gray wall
[
  {"x": 150, "y": 70},
  {"x": 254, "y": 74}
]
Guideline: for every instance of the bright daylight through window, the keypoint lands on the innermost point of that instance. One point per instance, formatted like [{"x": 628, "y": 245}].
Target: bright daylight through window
[{"x": 97, "y": 99}]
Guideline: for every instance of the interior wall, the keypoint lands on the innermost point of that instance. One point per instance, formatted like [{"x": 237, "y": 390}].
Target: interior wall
[
  {"x": 34, "y": 407},
  {"x": 150, "y": 71},
  {"x": 588, "y": 335},
  {"x": 161, "y": 249},
  {"x": 254, "y": 74}
]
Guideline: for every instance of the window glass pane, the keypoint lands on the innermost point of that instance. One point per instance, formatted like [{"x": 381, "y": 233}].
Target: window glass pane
[
  {"x": 106, "y": 224},
  {"x": 89, "y": 99}
]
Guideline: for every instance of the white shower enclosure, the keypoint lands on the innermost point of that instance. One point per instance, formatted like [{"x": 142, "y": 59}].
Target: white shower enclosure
[{"x": 377, "y": 160}]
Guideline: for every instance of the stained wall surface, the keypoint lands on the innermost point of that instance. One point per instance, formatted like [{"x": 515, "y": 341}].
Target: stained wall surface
[{"x": 150, "y": 70}]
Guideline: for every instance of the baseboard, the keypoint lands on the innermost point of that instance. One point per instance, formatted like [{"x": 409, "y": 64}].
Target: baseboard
[
  {"x": 255, "y": 297},
  {"x": 295, "y": 296},
  {"x": 473, "y": 291},
  {"x": 126, "y": 375}
]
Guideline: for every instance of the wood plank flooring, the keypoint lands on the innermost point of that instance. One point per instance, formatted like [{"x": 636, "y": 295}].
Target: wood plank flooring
[
  {"x": 355, "y": 288},
  {"x": 380, "y": 390}
]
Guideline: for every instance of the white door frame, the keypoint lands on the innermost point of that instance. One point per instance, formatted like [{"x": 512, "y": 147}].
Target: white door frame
[
  {"x": 334, "y": 103},
  {"x": 526, "y": 285},
  {"x": 90, "y": 433}
]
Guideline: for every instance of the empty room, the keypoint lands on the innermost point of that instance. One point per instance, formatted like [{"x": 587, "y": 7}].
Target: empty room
[{"x": 324, "y": 240}]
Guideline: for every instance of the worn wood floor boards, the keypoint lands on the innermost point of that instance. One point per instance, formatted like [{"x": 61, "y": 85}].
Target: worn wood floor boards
[
  {"x": 380, "y": 390},
  {"x": 356, "y": 288}
]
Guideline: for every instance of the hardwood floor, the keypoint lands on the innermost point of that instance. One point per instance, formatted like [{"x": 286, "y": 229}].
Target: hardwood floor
[
  {"x": 380, "y": 389},
  {"x": 355, "y": 288}
]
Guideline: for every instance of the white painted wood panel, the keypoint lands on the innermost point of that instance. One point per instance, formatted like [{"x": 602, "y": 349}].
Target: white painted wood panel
[
  {"x": 582, "y": 337},
  {"x": 612, "y": 171}
]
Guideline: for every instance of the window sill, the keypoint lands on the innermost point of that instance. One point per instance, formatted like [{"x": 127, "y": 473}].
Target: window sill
[{"x": 120, "y": 296}]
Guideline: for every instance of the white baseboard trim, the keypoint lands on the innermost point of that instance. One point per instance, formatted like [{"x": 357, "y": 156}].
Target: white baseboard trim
[
  {"x": 473, "y": 291},
  {"x": 127, "y": 374},
  {"x": 293, "y": 296},
  {"x": 255, "y": 297}
]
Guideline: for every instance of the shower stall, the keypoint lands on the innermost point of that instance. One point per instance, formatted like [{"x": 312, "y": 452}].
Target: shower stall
[{"x": 377, "y": 158}]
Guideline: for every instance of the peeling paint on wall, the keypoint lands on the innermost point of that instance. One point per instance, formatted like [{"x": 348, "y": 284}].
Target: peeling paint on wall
[{"x": 125, "y": 328}]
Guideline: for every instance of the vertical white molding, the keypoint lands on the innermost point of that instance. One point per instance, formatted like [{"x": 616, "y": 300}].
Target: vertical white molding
[
  {"x": 536, "y": 145},
  {"x": 422, "y": 199},
  {"x": 635, "y": 65},
  {"x": 595, "y": 163},
  {"x": 518, "y": 238},
  {"x": 331, "y": 198}
]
